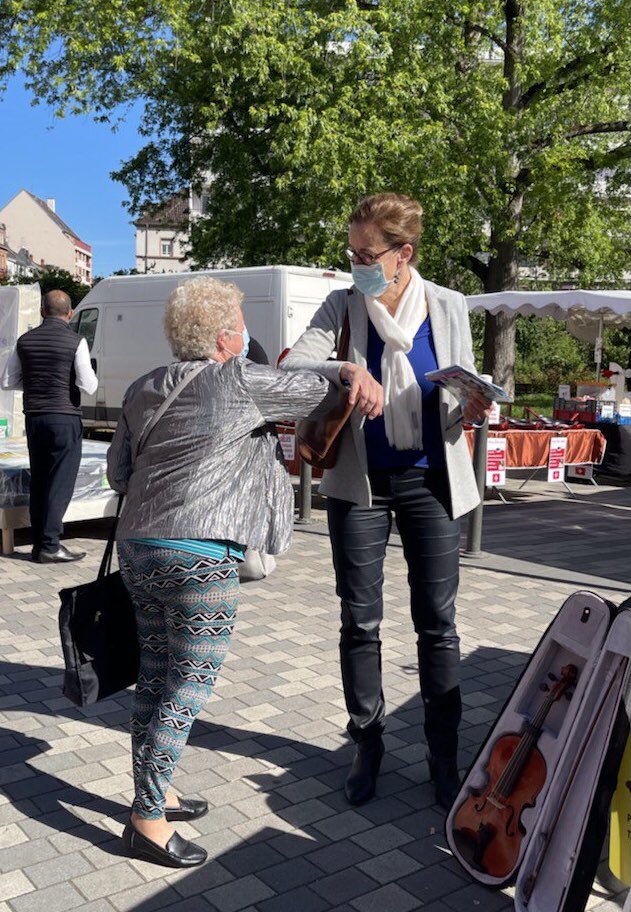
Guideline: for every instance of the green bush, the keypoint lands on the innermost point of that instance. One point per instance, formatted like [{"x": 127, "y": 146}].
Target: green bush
[{"x": 547, "y": 355}]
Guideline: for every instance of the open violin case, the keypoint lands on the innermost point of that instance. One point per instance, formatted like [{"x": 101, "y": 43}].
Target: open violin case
[{"x": 533, "y": 808}]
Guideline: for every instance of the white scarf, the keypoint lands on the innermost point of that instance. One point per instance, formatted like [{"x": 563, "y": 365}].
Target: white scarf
[{"x": 402, "y": 409}]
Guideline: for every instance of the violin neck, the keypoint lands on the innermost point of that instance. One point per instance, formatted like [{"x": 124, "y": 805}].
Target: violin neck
[{"x": 530, "y": 735}]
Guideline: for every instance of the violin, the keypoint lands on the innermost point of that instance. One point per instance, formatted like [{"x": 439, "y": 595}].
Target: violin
[{"x": 487, "y": 826}]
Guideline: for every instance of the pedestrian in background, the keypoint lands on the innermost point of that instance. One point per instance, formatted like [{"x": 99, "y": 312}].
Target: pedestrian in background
[
  {"x": 51, "y": 364},
  {"x": 409, "y": 461},
  {"x": 209, "y": 482}
]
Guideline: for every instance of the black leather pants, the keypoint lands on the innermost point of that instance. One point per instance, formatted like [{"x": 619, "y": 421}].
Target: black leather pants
[{"x": 418, "y": 498}]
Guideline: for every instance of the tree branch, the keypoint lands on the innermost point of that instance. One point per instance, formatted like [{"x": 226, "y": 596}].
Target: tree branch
[
  {"x": 608, "y": 159},
  {"x": 513, "y": 13},
  {"x": 612, "y": 126},
  {"x": 467, "y": 25},
  {"x": 566, "y": 77},
  {"x": 477, "y": 267}
]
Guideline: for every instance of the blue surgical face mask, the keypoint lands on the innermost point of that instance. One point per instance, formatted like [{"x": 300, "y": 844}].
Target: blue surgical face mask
[
  {"x": 371, "y": 280},
  {"x": 245, "y": 335}
]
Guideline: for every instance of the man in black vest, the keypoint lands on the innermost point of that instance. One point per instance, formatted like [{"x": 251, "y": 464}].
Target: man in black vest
[{"x": 52, "y": 364}]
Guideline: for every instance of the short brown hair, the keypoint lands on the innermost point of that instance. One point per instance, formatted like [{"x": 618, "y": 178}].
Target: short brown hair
[
  {"x": 56, "y": 303},
  {"x": 398, "y": 218}
]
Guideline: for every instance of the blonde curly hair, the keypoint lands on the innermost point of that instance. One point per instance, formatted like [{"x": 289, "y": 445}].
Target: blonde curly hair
[{"x": 196, "y": 312}]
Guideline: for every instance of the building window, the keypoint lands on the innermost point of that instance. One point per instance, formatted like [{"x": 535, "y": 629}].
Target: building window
[{"x": 166, "y": 247}]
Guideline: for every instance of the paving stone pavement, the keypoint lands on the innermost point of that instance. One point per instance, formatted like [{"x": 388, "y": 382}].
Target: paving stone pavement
[{"x": 269, "y": 752}]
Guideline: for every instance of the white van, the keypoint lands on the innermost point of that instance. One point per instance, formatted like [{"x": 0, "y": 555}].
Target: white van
[{"x": 121, "y": 318}]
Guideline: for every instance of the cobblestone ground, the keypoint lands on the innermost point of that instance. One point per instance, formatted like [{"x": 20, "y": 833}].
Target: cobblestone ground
[{"x": 269, "y": 751}]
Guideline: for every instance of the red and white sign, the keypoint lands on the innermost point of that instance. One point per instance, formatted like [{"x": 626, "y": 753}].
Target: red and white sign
[
  {"x": 556, "y": 459},
  {"x": 496, "y": 462},
  {"x": 580, "y": 471},
  {"x": 288, "y": 446},
  {"x": 495, "y": 415}
]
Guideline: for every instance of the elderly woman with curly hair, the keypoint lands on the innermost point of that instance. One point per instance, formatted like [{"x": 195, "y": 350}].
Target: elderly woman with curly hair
[{"x": 208, "y": 482}]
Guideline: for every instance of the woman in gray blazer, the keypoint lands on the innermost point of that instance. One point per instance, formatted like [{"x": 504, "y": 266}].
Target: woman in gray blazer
[
  {"x": 403, "y": 454},
  {"x": 209, "y": 482}
]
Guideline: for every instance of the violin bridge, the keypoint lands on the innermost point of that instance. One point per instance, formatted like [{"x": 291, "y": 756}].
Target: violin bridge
[{"x": 496, "y": 804}]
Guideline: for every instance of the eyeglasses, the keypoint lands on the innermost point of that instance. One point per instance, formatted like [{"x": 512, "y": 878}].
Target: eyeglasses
[{"x": 367, "y": 259}]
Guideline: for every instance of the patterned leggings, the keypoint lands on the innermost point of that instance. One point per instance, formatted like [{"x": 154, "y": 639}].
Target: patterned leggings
[{"x": 186, "y": 606}]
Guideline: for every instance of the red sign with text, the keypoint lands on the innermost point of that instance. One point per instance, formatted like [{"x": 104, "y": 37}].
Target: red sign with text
[
  {"x": 580, "y": 471},
  {"x": 556, "y": 459},
  {"x": 496, "y": 462}
]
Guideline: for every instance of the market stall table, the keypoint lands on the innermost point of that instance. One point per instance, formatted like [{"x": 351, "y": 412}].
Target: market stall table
[
  {"x": 92, "y": 497},
  {"x": 617, "y": 461},
  {"x": 530, "y": 449}
]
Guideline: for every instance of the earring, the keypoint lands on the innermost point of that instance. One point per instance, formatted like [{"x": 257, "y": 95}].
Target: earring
[{"x": 397, "y": 277}]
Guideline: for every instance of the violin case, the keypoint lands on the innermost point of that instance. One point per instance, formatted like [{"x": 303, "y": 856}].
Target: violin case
[{"x": 533, "y": 807}]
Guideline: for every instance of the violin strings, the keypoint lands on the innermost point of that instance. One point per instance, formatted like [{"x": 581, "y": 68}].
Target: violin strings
[{"x": 506, "y": 781}]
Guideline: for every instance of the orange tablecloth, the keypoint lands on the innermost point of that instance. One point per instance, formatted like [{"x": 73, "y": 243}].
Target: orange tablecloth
[{"x": 530, "y": 449}]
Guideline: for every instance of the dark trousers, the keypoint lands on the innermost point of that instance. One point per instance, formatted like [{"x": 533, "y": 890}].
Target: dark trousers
[
  {"x": 418, "y": 499},
  {"x": 54, "y": 447}
]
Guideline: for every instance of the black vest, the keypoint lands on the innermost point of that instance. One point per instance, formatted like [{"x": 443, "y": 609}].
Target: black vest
[{"x": 48, "y": 376}]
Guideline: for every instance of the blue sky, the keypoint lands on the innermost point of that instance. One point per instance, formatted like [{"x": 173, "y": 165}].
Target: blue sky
[{"x": 70, "y": 160}]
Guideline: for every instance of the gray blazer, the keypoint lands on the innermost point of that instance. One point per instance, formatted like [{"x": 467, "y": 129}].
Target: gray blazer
[
  {"x": 212, "y": 466},
  {"x": 449, "y": 316}
]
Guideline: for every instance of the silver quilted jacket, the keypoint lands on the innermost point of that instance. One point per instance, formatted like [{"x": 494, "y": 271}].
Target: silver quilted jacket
[{"x": 212, "y": 466}]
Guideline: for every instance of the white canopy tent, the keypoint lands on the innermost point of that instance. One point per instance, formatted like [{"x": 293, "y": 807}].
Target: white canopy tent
[{"x": 584, "y": 312}]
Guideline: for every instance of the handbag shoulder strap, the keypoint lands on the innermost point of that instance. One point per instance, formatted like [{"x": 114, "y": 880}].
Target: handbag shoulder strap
[
  {"x": 106, "y": 561},
  {"x": 159, "y": 412},
  {"x": 345, "y": 338}
]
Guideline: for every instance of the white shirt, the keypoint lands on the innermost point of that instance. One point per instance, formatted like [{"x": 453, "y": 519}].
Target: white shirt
[{"x": 85, "y": 378}]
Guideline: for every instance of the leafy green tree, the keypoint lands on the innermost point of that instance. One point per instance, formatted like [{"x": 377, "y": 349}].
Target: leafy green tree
[
  {"x": 509, "y": 120},
  {"x": 52, "y": 278}
]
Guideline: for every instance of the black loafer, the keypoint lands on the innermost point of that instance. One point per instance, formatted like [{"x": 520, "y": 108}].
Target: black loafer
[
  {"x": 362, "y": 779},
  {"x": 189, "y": 809},
  {"x": 178, "y": 853},
  {"x": 444, "y": 774},
  {"x": 61, "y": 556}
]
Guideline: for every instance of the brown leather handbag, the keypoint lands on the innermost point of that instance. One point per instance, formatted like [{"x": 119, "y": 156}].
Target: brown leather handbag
[{"x": 319, "y": 437}]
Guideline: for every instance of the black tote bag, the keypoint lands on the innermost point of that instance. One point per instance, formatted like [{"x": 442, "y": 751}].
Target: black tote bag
[{"x": 98, "y": 634}]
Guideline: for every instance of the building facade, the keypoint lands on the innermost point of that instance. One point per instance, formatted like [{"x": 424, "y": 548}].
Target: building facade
[
  {"x": 162, "y": 234},
  {"x": 4, "y": 249},
  {"x": 32, "y": 224}
]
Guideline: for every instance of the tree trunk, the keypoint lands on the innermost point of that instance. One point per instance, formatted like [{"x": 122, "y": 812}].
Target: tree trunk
[
  {"x": 499, "y": 330},
  {"x": 503, "y": 272},
  {"x": 499, "y": 350}
]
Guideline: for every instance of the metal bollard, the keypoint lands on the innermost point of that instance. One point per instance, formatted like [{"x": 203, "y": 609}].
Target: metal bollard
[
  {"x": 304, "y": 495},
  {"x": 474, "y": 530}
]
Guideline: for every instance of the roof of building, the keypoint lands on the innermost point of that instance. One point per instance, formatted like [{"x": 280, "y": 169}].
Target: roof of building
[
  {"x": 53, "y": 215},
  {"x": 171, "y": 213},
  {"x": 22, "y": 258}
]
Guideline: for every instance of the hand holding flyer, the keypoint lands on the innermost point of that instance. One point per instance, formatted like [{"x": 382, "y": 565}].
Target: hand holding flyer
[{"x": 463, "y": 383}]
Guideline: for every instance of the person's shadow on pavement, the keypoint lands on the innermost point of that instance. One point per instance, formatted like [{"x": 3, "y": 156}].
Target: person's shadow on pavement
[
  {"x": 316, "y": 833},
  {"x": 42, "y": 796}
]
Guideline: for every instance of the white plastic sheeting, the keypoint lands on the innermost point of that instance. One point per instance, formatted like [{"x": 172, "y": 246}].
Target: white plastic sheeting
[
  {"x": 15, "y": 475},
  {"x": 19, "y": 312}
]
